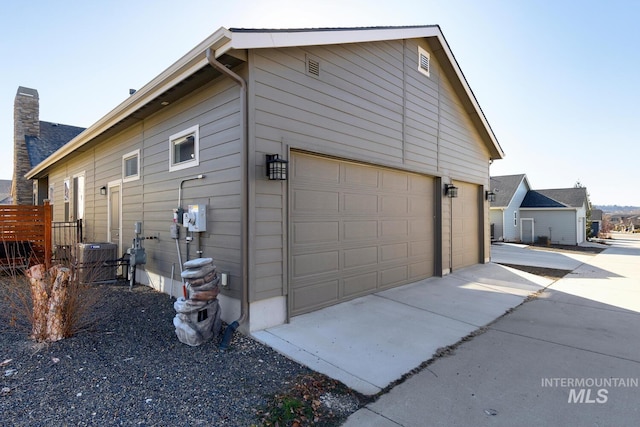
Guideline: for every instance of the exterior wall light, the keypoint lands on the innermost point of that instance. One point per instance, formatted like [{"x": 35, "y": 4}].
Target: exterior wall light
[
  {"x": 103, "y": 191},
  {"x": 491, "y": 196},
  {"x": 276, "y": 168},
  {"x": 451, "y": 191}
]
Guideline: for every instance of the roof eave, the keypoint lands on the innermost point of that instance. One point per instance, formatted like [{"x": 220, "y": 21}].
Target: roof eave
[
  {"x": 194, "y": 60},
  {"x": 224, "y": 41}
]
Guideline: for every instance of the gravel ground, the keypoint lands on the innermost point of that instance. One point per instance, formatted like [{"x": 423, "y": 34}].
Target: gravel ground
[{"x": 129, "y": 368}]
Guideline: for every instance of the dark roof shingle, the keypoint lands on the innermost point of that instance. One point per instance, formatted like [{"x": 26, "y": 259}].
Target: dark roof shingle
[
  {"x": 52, "y": 137},
  {"x": 504, "y": 187},
  {"x": 556, "y": 198}
]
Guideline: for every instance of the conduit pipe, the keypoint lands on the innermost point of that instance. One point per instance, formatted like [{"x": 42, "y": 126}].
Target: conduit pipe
[
  {"x": 244, "y": 302},
  {"x": 180, "y": 189},
  {"x": 184, "y": 288}
]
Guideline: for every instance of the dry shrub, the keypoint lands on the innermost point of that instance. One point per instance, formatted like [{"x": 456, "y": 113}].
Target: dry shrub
[{"x": 78, "y": 312}]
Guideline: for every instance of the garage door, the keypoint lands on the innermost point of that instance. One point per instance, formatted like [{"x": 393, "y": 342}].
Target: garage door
[
  {"x": 465, "y": 226},
  {"x": 355, "y": 229}
]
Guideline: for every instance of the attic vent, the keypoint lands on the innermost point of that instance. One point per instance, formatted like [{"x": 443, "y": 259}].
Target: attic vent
[
  {"x": 313, "y": 67},
  {"x": 424, "y": 62}
]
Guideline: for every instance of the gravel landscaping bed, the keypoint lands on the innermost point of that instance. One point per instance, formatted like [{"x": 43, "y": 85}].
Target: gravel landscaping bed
[{"x": 128, "y": 368}]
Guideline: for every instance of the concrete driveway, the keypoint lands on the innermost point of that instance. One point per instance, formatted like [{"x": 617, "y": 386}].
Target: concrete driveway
[
  {"x": 370, "y": 342},
  {"x": 511, "y": 253},
  {"x": 568, "y": 357}
]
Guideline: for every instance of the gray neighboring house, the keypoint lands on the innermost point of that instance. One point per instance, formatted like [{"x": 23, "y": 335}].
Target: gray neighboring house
[
  {"x": 379, "y": 128},
  {"x": 5, "y": 192},
  {"x": 559, "y": 215},
  {"x": 597, "y": 217},
  {"x": 504, "y": 212},
  {"x": 33, "y": 141}
]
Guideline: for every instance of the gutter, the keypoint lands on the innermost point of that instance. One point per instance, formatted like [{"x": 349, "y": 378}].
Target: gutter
[{"x": 244, "y": 304}]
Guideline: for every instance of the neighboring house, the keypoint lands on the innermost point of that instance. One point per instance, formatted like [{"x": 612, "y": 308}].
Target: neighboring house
[
  {"x": 34, "y": 141},
  {"x": 5, "y": 192},
  {"x": 597, "y": 217},
  {"x": 632, "y": 223},
  {"x": 558, "y": 216},
  {"x": 504, "y": 214},
  {"x": 520, "y": 214},
  {"x": 375, "y": 124}
]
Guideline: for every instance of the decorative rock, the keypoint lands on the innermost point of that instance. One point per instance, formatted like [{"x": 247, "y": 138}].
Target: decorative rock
[
  {"x": 197, "y": 263},
  {"x": 199, "y": 272},
  {"x": 198, "y": 317}
]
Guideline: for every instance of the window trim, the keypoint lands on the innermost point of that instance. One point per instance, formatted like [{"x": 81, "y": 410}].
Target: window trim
[
  {"x": 128, "y": 156},
  {"x": 195, "y": 130}
]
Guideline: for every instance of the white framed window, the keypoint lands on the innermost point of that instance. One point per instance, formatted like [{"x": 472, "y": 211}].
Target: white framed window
[
  {"x": 131, "y": 166},
  {"x": 424, "y": 62},
  {"x": 515, "y": 218},
  {"x": 184, "y": 149}
]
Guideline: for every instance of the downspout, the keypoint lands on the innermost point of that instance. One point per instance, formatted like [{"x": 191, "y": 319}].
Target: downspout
[{"x": 244, "y": 302}]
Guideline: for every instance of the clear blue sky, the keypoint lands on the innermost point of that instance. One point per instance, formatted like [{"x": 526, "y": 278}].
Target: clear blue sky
[{"x": 557, "y": 80}]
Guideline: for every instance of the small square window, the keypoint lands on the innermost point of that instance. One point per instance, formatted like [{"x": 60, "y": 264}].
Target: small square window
[
  {"x": 131, "y": 166},
  {"x": 184, "y": 149},
  {"x": 424, "y": 62}
]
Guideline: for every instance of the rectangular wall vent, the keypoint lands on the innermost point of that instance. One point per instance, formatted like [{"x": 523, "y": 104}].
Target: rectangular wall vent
[
  {"x": 424, "y": 62},
  {"x": 313, "y": 67}
]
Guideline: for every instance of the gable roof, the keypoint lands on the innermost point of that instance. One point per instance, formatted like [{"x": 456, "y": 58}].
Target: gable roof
[
  {"x": 229, "y": 47},
  {"x": 52, "y": 137},
  {"x": 504, "y": 187},
  {"x": 556, "y": 198}
]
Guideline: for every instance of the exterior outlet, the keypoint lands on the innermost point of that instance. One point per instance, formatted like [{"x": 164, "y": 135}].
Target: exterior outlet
[{"x": 224, "y": 280}]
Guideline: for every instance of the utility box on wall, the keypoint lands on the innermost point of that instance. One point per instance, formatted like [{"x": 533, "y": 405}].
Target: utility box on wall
[{"x": 195, "y": 218}]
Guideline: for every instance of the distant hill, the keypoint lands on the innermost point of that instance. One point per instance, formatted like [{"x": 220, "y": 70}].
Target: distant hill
[{"x": 618, "y": 209}]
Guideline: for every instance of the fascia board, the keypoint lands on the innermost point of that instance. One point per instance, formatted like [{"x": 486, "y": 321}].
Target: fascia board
[
  {"x": 224, "y": 40},
  {"x": 318, "y": 37}
]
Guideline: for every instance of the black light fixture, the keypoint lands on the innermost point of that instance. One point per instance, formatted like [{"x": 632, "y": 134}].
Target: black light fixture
[
  {"x": 490, "y": 196},
  {"x": 451, "y": 191},
  {"x": 103, "y": 191},
  {"x": 276, "y": 167}
]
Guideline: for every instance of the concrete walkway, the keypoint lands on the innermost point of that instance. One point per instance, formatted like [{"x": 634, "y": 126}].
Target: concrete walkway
[
  {"x": 371, "y": 342},
  {"x": 568, "y": 357}
]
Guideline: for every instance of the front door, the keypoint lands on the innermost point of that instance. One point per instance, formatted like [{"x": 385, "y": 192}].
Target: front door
[{"x": 527, "y": 230}]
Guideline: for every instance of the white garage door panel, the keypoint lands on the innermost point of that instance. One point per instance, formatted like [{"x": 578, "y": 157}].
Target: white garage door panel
[{"x": 356, "y": 230}]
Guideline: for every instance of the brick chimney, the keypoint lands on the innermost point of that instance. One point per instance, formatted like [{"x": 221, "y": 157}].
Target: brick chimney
[{"x": 26, "y": 121}]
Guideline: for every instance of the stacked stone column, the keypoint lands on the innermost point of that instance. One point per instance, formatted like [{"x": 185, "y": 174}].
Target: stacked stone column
[{"x": 198, "y": 316}]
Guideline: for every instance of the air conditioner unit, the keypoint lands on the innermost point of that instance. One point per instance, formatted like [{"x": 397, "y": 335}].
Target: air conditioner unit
[{"x": 96, "y": 262}]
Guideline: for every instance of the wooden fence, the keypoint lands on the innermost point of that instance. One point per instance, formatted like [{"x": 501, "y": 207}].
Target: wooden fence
[{"x": 30, "y": 225}]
